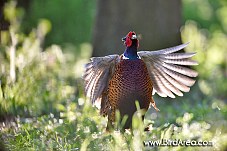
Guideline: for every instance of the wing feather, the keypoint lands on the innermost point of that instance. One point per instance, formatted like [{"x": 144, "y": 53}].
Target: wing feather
[
  {"x": 171, "y": 83},
  {"x": 178, "y": 55},
  {"x": 173, "y": 78},
  {"x": 186, "y": 62},
  {"x": 97, "y": 74},
  {"x": 163, "y": 84},
  {"x": 169, "y": 70},
  {"x": 164, "y": 51},
  {"x": 180, "y": 69}
]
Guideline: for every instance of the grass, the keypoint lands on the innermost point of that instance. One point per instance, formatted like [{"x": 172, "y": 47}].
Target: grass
[{"x": 81, "y": 128}]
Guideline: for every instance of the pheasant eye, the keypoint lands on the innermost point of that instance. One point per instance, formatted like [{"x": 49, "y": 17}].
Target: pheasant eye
[{"x": 134, "y": 37}]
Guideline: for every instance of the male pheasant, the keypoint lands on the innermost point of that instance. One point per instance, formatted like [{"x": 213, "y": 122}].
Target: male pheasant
[{"x": 116, "y": 82}]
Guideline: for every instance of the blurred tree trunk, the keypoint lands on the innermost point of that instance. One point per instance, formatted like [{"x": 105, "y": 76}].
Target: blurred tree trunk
[
  {"x": 4, "y": 25},
  {"x": 158, "y": 22}
]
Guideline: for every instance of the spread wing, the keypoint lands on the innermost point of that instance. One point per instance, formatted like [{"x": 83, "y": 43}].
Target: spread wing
[
  {"x": 168, "y": 70},
  {"x": 96, "y": 77}
]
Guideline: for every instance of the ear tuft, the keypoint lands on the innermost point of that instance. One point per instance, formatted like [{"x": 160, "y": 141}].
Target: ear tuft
[
  {"x": 130, "y": 34},
  {"x": 138, "y": 43}
]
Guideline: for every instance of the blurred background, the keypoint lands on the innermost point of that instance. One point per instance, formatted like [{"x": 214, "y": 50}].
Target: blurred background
[{"x": 44, "y": 45}]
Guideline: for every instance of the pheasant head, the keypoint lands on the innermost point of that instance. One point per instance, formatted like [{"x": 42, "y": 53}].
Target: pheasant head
[
  {"x": 131, "y": 40},
  {"x": 132, "y": 43}
]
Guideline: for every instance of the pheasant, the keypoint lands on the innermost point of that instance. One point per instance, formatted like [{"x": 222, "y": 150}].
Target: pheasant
[{"x": 116, "y": 82}]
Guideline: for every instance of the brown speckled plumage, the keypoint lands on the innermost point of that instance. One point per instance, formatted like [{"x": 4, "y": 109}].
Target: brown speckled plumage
[
  {"x": 129, "y": 83},
  {"x": 116, "y": 82}
]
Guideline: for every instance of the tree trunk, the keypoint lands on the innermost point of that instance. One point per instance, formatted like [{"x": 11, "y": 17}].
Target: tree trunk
[
  {"x": 4, "y": 25},
  {"x": 157, "y": 21}
]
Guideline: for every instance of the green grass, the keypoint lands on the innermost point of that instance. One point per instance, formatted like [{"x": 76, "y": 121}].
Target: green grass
[{"x": 80, "y": 127}]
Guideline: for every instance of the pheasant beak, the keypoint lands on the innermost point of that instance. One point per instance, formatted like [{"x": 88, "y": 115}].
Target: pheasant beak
[{"x": 123, "y": 39}]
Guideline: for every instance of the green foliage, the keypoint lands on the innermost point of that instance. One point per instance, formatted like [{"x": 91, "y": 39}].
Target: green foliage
[
  {"x": 34, "y": 81},
  {"x": 211, "y": 55},
  {"x": 209, "y": 42},
  {"x": 71, "y": 20},
  {"x": 81, "y": 128},
  {"x": 209, "y": 14}
]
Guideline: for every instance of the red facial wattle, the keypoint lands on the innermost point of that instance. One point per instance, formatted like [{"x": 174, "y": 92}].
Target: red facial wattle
[
  {"x": 128, "y": 42},
  {"x": 128, "y": 39}
]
